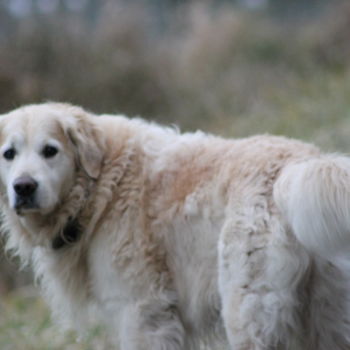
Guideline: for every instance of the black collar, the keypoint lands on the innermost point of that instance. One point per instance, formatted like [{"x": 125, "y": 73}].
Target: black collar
[{"x": 69, "y": 235}]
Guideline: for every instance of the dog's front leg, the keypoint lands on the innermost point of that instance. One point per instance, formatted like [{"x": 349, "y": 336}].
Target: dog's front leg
[{"x": 152, "y": 324}]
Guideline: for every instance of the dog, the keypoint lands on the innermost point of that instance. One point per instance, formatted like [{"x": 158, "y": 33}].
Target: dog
[{"x": 174, "y": 240}]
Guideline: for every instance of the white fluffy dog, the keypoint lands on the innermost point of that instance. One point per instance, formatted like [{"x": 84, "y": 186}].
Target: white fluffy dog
[{"x": 179, "y": 239}]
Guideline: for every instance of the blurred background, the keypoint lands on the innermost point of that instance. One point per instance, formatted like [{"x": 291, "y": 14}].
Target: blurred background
[{"x": 232, "y": 67}]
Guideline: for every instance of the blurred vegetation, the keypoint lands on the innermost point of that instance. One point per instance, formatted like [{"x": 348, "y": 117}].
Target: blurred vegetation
[
  {"x": 25, "y": 325},
  {"x": 198, "y": 64},
  {"x": 231, "y": 67}
]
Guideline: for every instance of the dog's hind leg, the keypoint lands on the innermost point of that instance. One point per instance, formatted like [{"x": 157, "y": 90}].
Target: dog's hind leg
[
  {"x": 328, "y": 307},
  {"x": 258, "y": 277}
]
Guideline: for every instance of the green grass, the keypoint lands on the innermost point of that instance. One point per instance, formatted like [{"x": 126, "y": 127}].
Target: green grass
[{"x": 25, "y": 324}]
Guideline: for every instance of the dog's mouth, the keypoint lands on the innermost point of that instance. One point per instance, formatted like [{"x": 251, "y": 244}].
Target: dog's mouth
[{"x": 24, "y": 205}]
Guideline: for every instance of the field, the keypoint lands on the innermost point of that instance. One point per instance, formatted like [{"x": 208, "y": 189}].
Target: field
[{"x": 226, "y": 71}]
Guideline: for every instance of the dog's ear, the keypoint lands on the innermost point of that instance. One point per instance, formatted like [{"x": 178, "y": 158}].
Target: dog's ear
[{"x": 88, "y": 143}]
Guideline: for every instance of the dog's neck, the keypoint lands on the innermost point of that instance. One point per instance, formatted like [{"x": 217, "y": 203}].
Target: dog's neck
[
  {"x": 67, "y": 235},
  {"x": 70, "y": 234}
]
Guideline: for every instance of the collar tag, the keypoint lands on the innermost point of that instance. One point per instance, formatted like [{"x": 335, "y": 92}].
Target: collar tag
[{"x": 69, "y": 235}]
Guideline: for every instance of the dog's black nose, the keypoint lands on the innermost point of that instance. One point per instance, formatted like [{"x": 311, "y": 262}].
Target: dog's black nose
[{"x": 25, "y": 186}]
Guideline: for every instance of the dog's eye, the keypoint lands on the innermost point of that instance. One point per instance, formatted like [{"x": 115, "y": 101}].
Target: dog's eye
[
  {"x": 49, "y": 151},
  {"x": 10, "y": 154}
]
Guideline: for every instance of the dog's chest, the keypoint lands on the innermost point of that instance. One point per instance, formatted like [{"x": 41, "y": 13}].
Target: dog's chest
[{"x": 106, "y": 284}]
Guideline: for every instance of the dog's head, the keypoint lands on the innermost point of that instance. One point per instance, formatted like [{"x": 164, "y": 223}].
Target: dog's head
[{"x": 41, "y": 148}]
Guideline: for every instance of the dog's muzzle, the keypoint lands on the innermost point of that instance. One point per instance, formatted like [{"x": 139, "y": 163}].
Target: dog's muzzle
[{"x": 25, "y": 189}]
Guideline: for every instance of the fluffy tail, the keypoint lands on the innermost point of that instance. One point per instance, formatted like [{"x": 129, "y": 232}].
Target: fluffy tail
[{"x": 314, "y": 197}]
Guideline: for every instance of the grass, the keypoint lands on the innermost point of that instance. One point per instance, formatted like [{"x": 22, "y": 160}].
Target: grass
[{"x": 25, "y": 324}]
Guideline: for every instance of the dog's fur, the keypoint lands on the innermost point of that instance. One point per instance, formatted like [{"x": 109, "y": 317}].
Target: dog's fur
[{"x": 179, "y": 239}]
